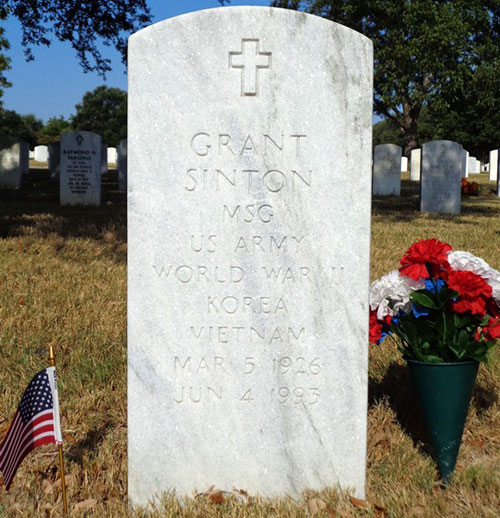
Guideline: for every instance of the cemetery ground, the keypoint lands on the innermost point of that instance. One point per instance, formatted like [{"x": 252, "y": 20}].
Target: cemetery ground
[{"x": 63, "y": 282}]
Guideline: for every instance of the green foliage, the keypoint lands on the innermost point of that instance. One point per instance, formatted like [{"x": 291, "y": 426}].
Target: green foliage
[
  {"x": 426, "y": 52},
  {"x": 103, "y": 111},
  {"x": 433, "y": 333},
  {"x": 53, "y": 130},
  {"x": 25, "y": 127},
  {"x": 472, "y": 116},
  {"x": 386, "y": 132},
  {"x": 4, "y": 60}
]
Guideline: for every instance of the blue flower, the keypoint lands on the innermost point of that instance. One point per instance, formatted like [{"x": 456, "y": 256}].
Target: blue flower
[
  {"x": 431, "y": 285},
  {"x": 418, "y": 311}
]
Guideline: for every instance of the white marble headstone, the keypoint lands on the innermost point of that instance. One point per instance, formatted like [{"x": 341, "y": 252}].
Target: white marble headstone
[
  {"x": 404, "y": 164},
  {"x": 493, "y": 169},
  {"x": 80, "y": 181},
  {"x": 442, "y": 169},
  {"x": 122, "y": 165},
  {"x": 41, "y": 153},
  {"x": 11, "y": 162},
  {"x": 465, "y": 157},
  {"x": 112, "y": 155},
  {"x": 248, "y": 253},
  {"x": 415, "y": 157},
  {"x": 387, "y": 170}
]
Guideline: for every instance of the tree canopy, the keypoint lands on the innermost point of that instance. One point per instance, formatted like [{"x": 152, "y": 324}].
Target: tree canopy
[
  {"x": 103, "y": 111},
  {"x": 25, "y": 127},
  {"x": 53, "y": 130},
  {"x": 82, "y": 24},
  {"x": 4, "y": 60},
  {"x": 427, "y": 52}
]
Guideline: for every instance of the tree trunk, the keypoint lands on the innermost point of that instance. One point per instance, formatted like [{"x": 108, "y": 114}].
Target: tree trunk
[{"x": 410, "y": 127}]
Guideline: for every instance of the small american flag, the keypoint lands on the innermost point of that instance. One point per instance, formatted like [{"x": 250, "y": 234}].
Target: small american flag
[{"x": 35, "y": 423}]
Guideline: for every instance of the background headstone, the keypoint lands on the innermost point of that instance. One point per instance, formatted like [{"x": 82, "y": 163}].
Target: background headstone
[
  {"x": 387, "y": 170},
  {"x": 112, "y": 155},
  {"x": 31, "y": 155},
  {"x": 493, "y": 165},
  {"x": 415, "y": 157},
  {"x": 442, "y": 167},
  {"x": 11, "y": 149},
  {"x": 25, "y": 157},
  {"x": 404, "y": 164},
  {"x": 247, "y": 322},
  {"x": 467, "y": 156},
  {"x": 41, "y": 154},
  {"x": 471, "y": 165},
  {"x": 121, "y": 165},
  {"x": 80, "y": 181},
  {"x": 55, "y": 160}
]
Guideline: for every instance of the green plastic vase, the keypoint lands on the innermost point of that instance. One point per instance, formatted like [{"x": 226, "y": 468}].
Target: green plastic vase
[{"x": 444, "y": 391}]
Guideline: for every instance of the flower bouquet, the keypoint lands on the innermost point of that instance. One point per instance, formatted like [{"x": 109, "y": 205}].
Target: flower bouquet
[
  {"x": 444, "y": 308},
  {"x": 470, "y": 188}
]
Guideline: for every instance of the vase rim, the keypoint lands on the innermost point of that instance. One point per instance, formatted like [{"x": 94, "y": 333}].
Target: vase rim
[{"x": 438, "y": 364}]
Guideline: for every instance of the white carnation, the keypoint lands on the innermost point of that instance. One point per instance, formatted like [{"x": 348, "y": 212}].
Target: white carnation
[
  {"x": 391, "y": 293},
  {"x": 467, "y": 262}
]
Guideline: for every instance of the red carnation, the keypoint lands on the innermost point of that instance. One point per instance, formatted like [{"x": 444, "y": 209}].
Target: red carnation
[
  {"x": 474, "y": 292},
  {"x": 425, "y": 255},
  {"x": 492, "y": 330},
  {"x": 375, "y": 328}
]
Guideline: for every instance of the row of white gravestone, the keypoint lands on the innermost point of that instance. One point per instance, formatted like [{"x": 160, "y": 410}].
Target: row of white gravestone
[
  {"x": 439, "y": 166},
  {"x": 77, "y": 161},
  {"x": 49, "y": 153}
]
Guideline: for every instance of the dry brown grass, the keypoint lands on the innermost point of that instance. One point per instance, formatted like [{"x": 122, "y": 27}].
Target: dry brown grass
[{"x": 62, "y": 281}]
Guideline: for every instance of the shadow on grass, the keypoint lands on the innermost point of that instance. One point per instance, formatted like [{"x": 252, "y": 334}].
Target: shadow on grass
[
  {"x": 89, "y": 444},
  {"x": 407, "y": 206},
  {"x": 401, "y": 208},
  {"x": 397, "y": 388},
  {"x": 36, "y": 206}
]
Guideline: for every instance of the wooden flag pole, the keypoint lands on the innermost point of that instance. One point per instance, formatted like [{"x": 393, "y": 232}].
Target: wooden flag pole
[{"x": 52, "y": 361}]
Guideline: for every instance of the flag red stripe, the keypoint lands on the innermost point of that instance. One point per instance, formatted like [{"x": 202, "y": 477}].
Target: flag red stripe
[
  {"x": 17, "y": 422},
  {"x": 13, "y": 436},
  {"x": 19, "y": 437},
  {"x": 45, "y": 437},
  {"x": 38, "y": 442},
  {"x": 14, "y": 430},
  {"x": 27, "y": 434}
]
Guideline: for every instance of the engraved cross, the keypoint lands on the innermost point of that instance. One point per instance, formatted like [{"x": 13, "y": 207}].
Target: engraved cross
[{"x": 249, "y": 60}]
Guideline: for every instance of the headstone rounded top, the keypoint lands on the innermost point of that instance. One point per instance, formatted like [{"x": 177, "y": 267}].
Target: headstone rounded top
[
  {"x": 435, "y": 142},
  {"x": 394, "y": 147},
  {"x": 248, "y": 11},
  {"x": 78, "y": 132}
]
